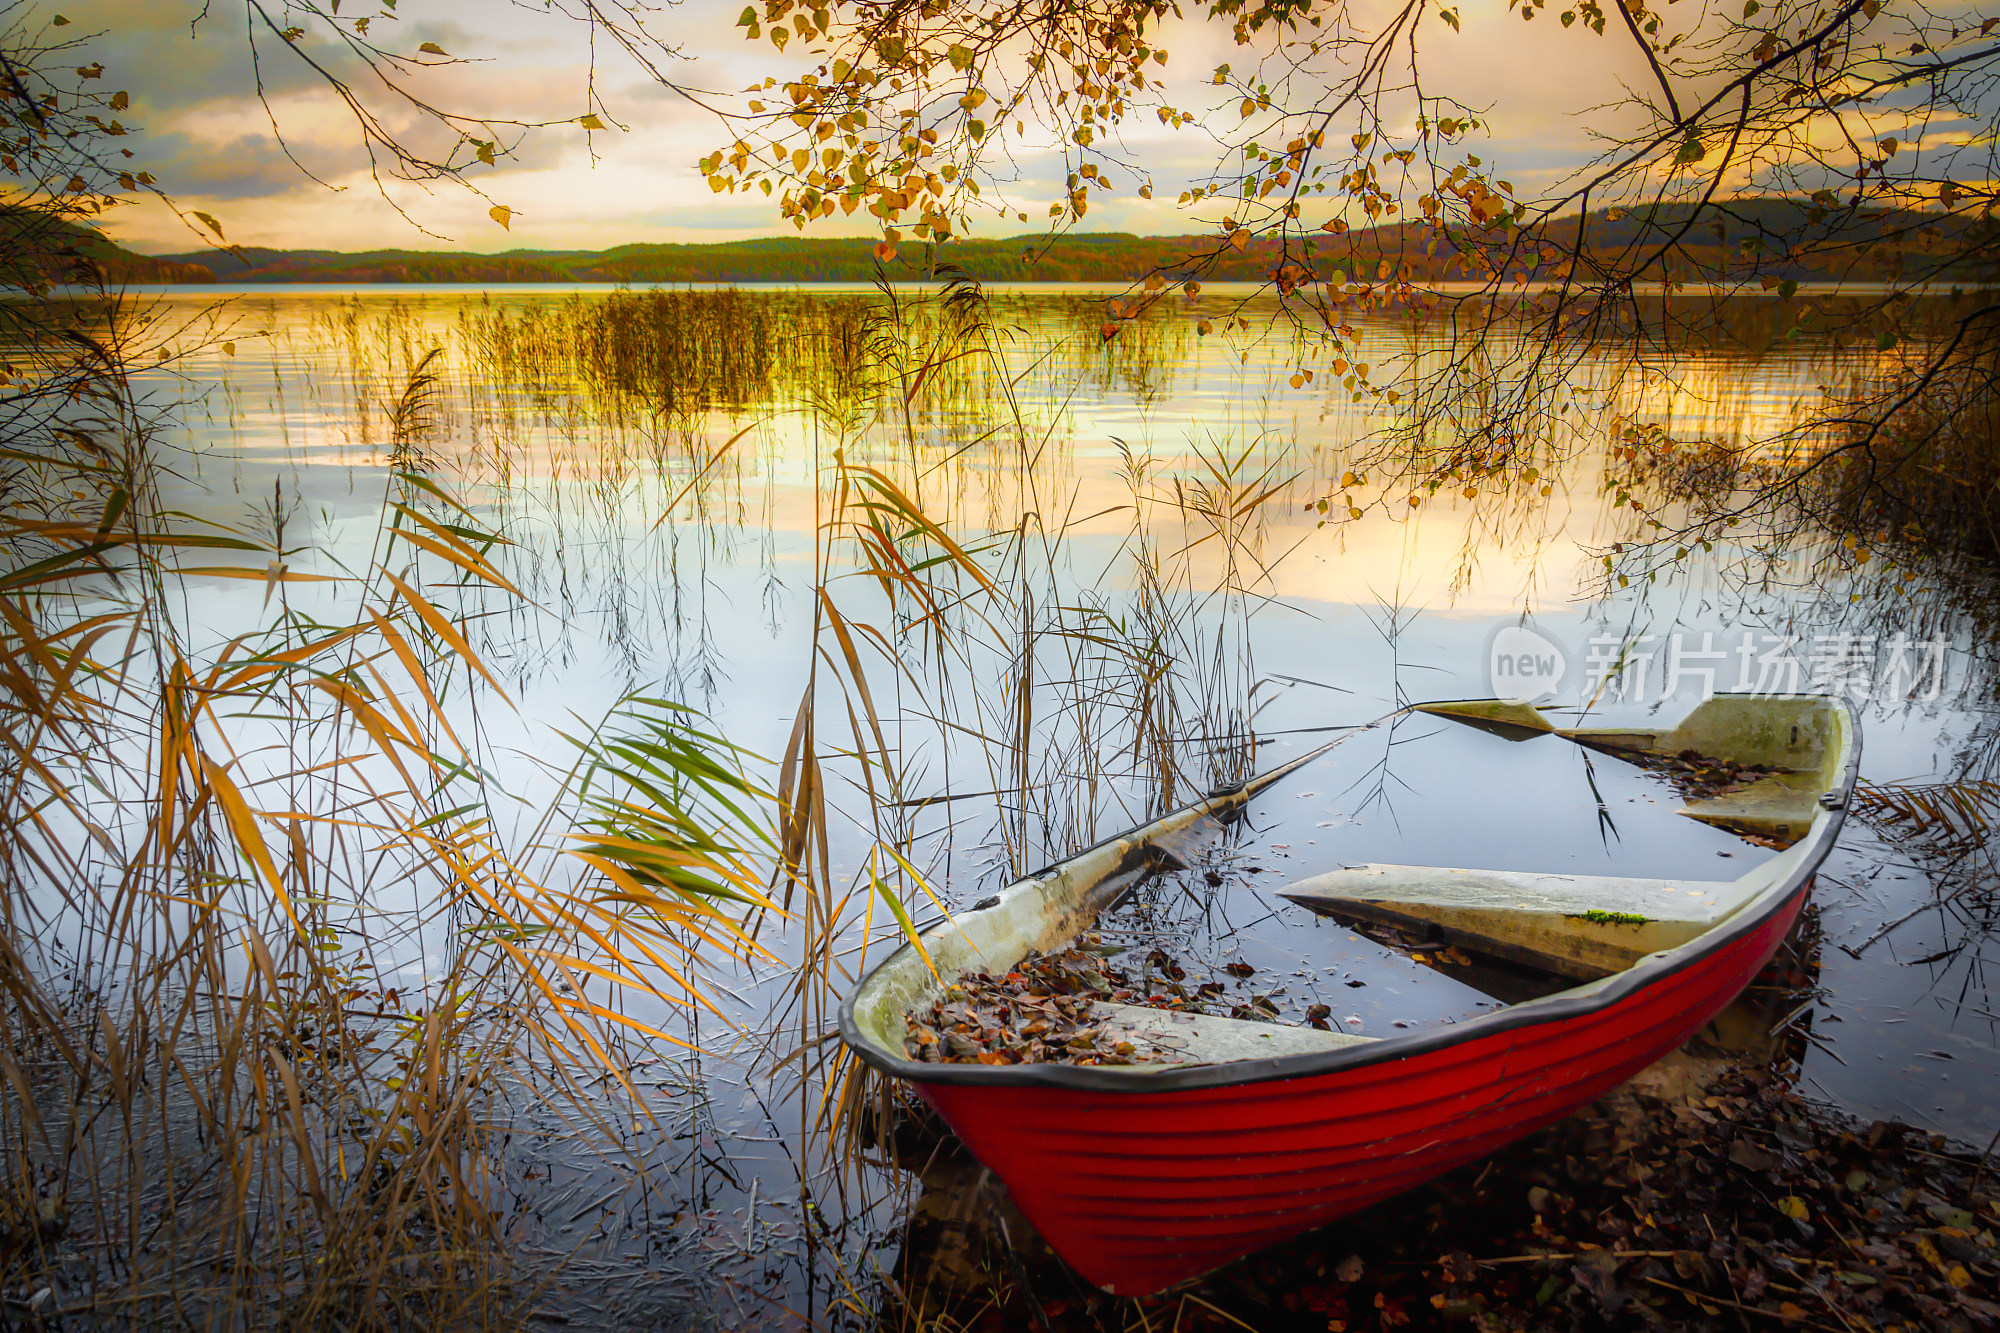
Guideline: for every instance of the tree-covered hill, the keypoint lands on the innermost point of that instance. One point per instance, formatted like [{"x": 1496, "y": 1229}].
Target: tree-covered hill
[
  {"x": 1804, "y": 239},
  {"x": 58, "y": 250}
]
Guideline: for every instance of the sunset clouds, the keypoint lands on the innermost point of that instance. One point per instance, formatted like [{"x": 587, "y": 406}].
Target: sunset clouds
[{"x": 293, "y": 169}]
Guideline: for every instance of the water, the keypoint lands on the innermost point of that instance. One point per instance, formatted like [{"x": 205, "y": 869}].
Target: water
[
  {"x": 1167, "y": 487},
  {"x": 1419, "y": 791}
]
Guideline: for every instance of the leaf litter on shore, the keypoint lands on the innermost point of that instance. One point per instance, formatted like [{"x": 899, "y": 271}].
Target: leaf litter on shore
[{"x": 1741, "y": 1206}]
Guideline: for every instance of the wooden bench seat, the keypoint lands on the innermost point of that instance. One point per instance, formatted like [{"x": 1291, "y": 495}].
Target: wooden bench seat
[
  {"x": 1786, "y": 734},
  {"x": 1576, "y": 925}
]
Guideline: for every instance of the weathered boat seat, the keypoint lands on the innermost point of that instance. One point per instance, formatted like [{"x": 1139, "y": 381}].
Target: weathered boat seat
[
  {"x": 1779, "y": 806},
  {"x": 1165, "y": 1038},
  {"x": 1790, "y": 735},
  {"x": 1575, "y": 925}
]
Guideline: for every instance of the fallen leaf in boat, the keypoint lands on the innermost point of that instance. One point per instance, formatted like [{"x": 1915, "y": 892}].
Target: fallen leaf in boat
[{"x": 1749, "y": 1155}]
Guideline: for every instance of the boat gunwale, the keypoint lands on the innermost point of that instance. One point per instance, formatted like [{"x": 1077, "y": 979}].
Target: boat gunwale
[{"x": 1563, "y": 1006}]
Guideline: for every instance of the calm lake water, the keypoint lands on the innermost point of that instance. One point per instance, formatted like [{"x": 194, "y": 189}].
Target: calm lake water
[{"x": 1168, "y": 487}]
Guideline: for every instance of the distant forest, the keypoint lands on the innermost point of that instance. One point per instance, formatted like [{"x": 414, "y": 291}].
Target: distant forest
[{"x": 1854, "y": 244}]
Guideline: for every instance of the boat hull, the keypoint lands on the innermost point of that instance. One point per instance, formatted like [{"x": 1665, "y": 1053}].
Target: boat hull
[{"x": 1140, "y": 1190}]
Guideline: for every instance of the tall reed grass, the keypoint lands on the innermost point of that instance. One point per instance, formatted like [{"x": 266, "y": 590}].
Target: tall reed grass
[
  {"x": 280, "y": 962},
  {"x": 284, "y": 963},
  {"x": 221, "y": 859},
  {"x": 1929, "y": 475}
]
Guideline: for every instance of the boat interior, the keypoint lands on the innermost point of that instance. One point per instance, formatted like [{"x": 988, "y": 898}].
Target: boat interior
[{"x": 1750, "y": 778}]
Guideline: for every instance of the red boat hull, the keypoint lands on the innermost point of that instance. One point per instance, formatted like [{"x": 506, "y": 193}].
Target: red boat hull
[{"x": 1141, "y": 1190}]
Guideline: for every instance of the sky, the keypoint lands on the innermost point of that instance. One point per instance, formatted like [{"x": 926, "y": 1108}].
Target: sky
[{"x": 292, "y": 170}]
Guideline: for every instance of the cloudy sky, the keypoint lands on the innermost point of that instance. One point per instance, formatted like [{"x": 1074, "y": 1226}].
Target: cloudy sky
[{"x": 292, "y": 170}]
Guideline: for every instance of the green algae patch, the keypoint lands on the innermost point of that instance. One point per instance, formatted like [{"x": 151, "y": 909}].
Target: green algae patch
[{"x": 1602, "y": 918}]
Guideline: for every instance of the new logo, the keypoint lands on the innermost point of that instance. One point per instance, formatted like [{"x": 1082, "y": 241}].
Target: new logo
[{"x": 1523, "y": 665}]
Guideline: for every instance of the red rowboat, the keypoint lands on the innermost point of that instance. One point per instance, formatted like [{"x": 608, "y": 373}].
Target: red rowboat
[{"x": 1146, "y": 1175}]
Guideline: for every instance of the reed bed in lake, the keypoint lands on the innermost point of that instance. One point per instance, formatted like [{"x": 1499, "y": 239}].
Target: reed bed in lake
[
  {"x": 287, "y": 965},
  {"x": 279, "y": 972},
  {"x": 289, "y": 961}
]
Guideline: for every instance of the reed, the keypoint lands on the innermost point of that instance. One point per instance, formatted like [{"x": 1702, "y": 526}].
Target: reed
[
  {"x": 1929, "y": 476},
  {"x": 281, "y": 965},
  {"x": 284, "y": 964},
  {"x": 213, "y": 860}
]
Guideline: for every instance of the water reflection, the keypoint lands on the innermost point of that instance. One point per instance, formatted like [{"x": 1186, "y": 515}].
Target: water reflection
[
  {"x": 1418, "y": 791},
  {"x": 1204, "y": 562}
]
